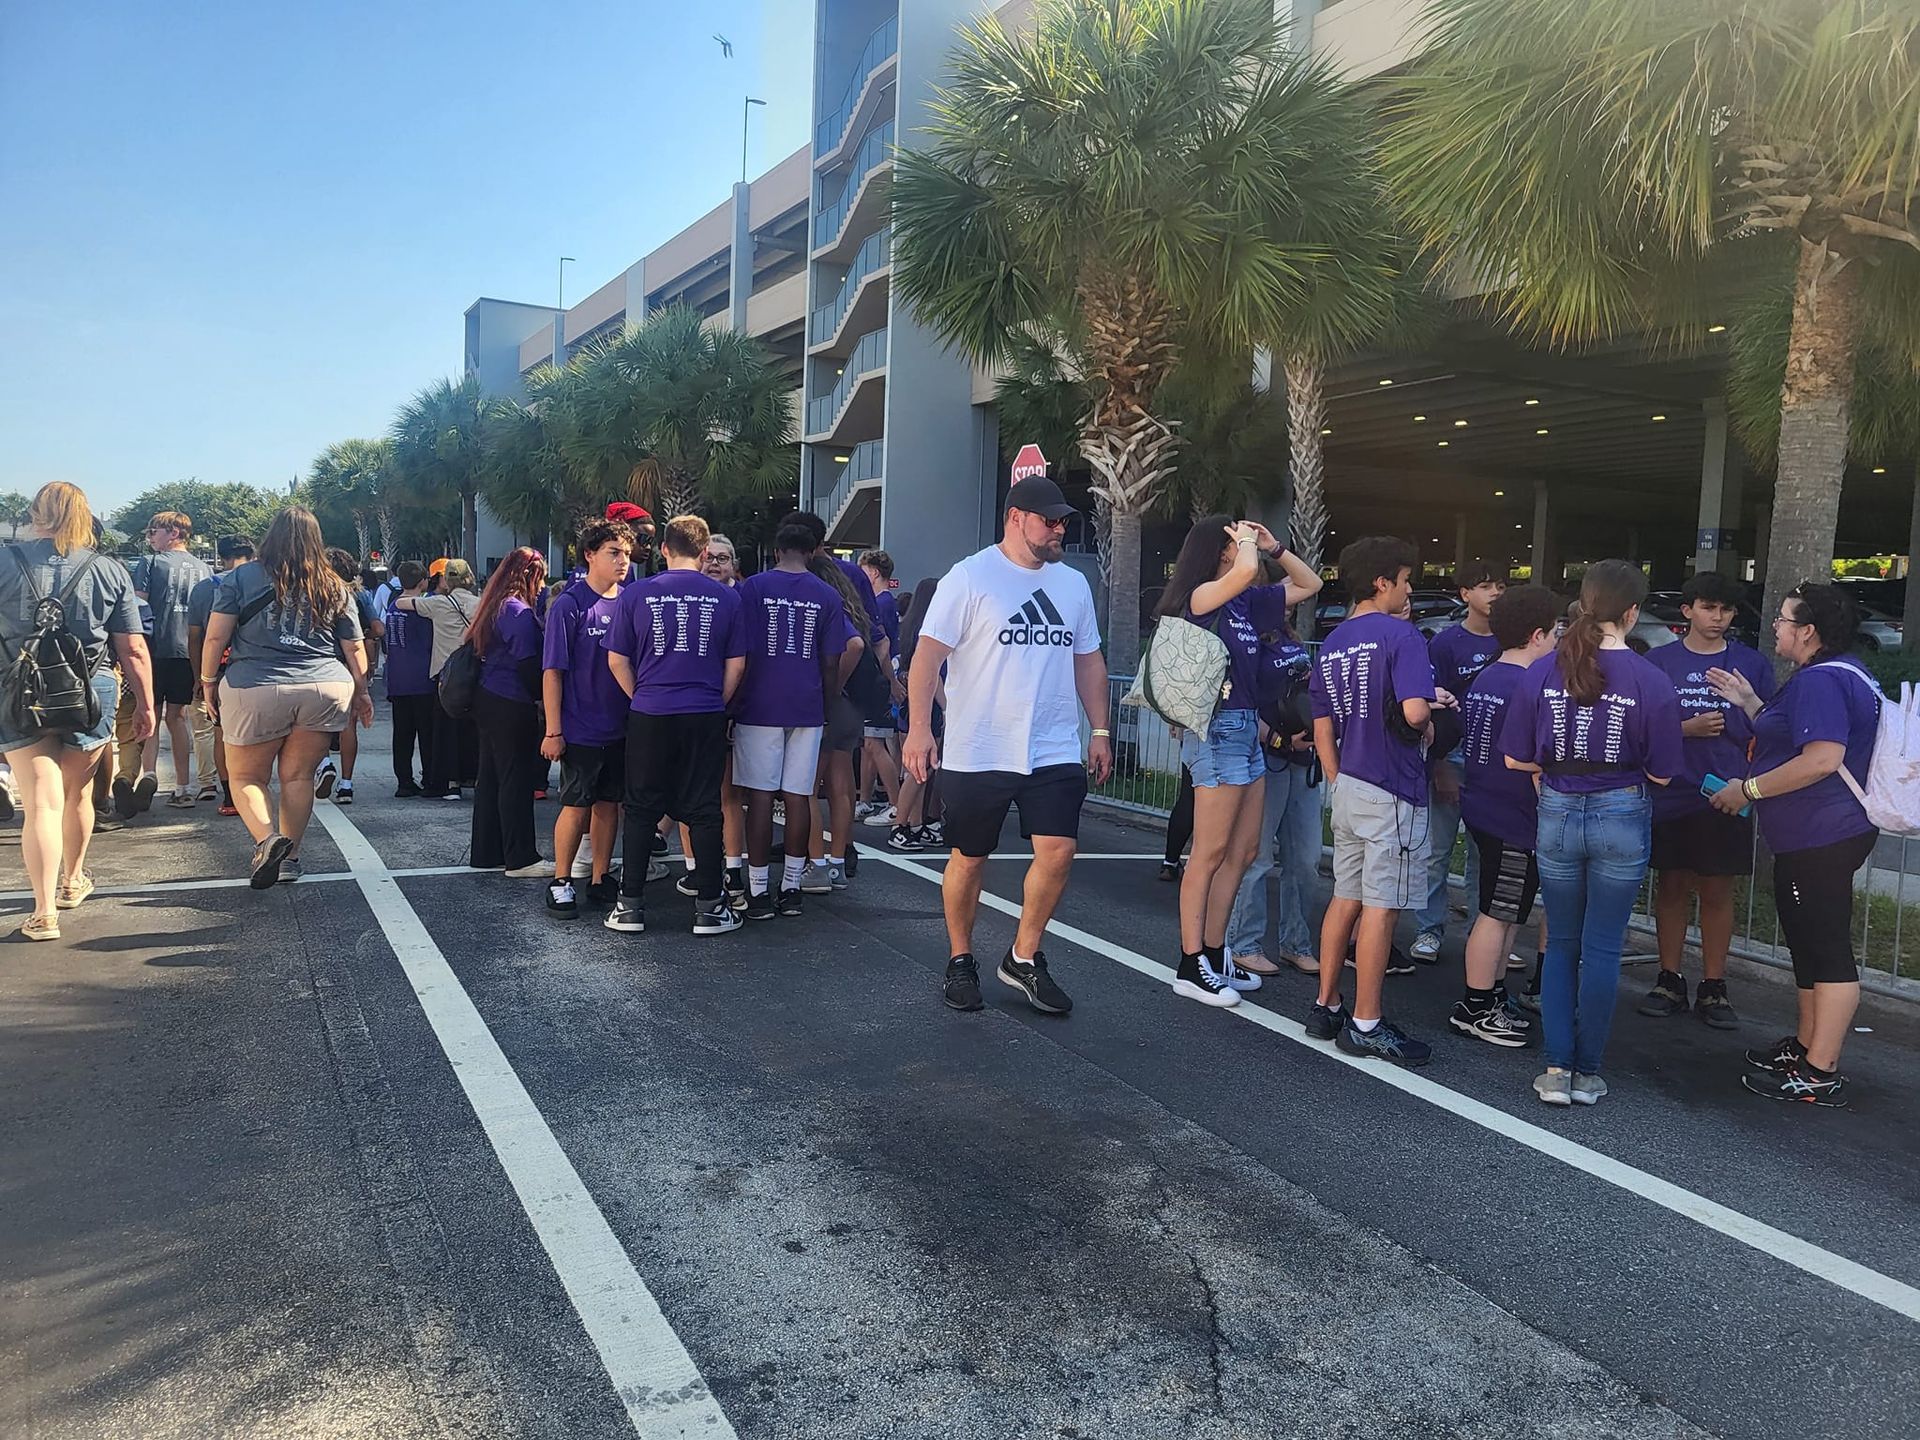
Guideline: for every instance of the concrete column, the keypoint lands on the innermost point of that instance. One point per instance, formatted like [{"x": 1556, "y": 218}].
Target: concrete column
[
  {"x": 1459, "y": 542},
  {"x": 740, "y": 259},
  {"x": 1714, "y": 545},
  {"x": 1543, "y": 559},
  {"x": 636, "y": 278},
  {"x": 1299, "y": 15},
  {"x": 559, "y": 339}
]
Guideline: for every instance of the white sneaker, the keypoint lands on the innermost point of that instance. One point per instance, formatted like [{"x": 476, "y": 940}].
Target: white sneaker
[
  {"x": 880, "y": 815},
  {"x": 323, "y": 779},
  {"x": 538, "y": 870},
  {"x": 1426, "y": 946},
  {"x": 583, "y": 864},
  {"x": 1244, "y": 981}
]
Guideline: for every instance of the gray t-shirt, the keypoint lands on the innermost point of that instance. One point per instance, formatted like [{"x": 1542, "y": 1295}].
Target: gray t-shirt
[
  {"x": 103, "y": 605},
  {"x": 200, "y": 602},
  {"x": 167, "y": 578},
  {"x": 276, "y": 648}
]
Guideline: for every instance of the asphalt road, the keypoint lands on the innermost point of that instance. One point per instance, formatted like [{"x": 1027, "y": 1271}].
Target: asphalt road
[{"x": 247, "y": 1192}]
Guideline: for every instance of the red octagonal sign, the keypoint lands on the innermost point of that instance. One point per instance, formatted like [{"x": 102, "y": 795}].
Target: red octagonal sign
[{"x": 1028, "y": 462}]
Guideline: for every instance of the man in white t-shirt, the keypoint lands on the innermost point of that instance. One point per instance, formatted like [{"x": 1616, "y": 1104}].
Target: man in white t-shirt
[{"x": 1017, "y": 635}]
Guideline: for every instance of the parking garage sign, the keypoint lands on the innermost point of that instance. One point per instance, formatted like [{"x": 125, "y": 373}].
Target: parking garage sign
[{"x": 1028, "y": 462}]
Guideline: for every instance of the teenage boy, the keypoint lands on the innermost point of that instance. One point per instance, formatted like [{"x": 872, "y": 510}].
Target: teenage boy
[
  {"x": 678, "y": 650},
  {"x": 1459, "y": 653},
  {"x": 1697, "y": 850},
  {"x": 163, "y": 581},
  {"x": 586, "y": 716},
  {"x": 882, "y": 734},
  {"x": 209, "y": 745},
  {"x": 800, "y": 650},
  {"x": 1499, "y": 805},
  {"x": 410, "y": 680},
  {"x": 1372, "y": 663}
]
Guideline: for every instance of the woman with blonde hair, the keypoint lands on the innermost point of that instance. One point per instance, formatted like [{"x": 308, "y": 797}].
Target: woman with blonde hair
[
  {"x": 296, "y": 675},
  {"x": 53, "y": 765},
  {"x": 456, "y": 744}
]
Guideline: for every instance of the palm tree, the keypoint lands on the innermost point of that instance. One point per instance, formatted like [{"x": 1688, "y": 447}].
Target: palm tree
[
  {"x": 1136, "y": 176},
  {"x": 438, "y": 446},
  {"x": 356, "y": 473},
  {"x": 1599, "y": 161}
]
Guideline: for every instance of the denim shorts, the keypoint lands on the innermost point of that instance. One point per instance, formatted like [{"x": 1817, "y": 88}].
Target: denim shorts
[
  {"x": 1230, "y": 753},
  {"x": 107, "y": 689}
]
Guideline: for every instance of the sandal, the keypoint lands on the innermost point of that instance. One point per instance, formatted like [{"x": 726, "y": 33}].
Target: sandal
[
  {"x": 42, "y": 927},
  {"x": 72, "y": 891}
]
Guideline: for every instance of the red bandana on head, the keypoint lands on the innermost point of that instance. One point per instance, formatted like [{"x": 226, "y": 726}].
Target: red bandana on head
[{"x": 629, "y": 512}]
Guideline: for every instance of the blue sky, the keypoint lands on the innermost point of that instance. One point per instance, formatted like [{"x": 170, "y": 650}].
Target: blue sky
[{"x": 232, "y": 233}]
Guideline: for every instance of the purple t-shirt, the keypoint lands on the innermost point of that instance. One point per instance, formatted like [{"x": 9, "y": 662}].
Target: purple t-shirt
[
  {"x": 886, "y": 610},
  {"x": 409, "y": 646},
  {"x": 1632, "y": 732},
  {"x": 1242, "y": 620},
  {"x": 1350, "y": 686},
  {"x": 1494, "y": 798},
  {"x": 1724, "y": 754},
  {"x": 680, "y": 629},
  {"x": 1458, "y": 655},
  {"x": 791, "y": 619},
  {"x": 593, "y": 707},
  {"x": 1833, "y": 702},
  {"x": 516, "y": 637}
]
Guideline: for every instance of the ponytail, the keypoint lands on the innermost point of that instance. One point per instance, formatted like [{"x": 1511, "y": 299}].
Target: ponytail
[
  {"x": 1611, "y": 588},
  {"x": 1579, "y": 658}
]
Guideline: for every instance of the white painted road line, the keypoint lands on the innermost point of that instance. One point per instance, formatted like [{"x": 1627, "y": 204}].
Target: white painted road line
[
  {"x": 167, "y": 887},
  {"x": 1884, "y": 1290},
  {"x": 662, "y": 1389}
]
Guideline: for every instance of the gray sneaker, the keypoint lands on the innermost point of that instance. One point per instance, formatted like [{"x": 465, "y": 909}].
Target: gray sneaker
[
  {"x": 1426, "y": 946},
  {"x": 1554, "y": 1086},
  {"x": 837, "y": 876},
  {"x": 817, "y": 879},
  {"x": 1587, "y": 1089},
  {"x": 290, "y": 869}
]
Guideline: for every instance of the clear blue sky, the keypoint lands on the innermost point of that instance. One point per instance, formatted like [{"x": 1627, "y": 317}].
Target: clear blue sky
[{"x": 233, "y": 233}]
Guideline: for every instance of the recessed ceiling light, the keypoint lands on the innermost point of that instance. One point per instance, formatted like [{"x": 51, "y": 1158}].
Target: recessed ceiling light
[
  {"x": 1519, "y": 527},
  {"x": 1659, "y": 417},
  {"x": 1418, "y": 418},
  {"x": 1879, "y": 469},
  {"x": 1443, "y": 444},
  {"x": 1459, "y": 424},
  {"x": 1539, "y": 432},
  {"x": 841, "y": 459},
  {"x": 1386, "y": 382},
  {"x": 1327, "y": 431},
  {"x": 1533, "y": 402},
  {"x": 1715, "y": 329},
  {"x": 1499, "y": 493}
]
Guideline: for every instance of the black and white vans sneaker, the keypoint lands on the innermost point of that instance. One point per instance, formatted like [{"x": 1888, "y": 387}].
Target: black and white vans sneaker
[
  {"x": 715, "y": 918},
  {"x": 1493, "y": 1025},
  {"x": 1197, "y": 980},
  {"x": 561, "y": 901},
  {"x": 627, "y": 916}
]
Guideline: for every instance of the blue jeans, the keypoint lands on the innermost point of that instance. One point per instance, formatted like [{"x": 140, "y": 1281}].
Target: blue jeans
[
  {"x": 1290, "y": 846},
  {"x": 1593, "y": 855}
]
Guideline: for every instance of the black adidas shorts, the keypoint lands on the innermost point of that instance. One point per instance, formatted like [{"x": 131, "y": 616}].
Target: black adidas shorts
[{"x": 1704, "y": 843}]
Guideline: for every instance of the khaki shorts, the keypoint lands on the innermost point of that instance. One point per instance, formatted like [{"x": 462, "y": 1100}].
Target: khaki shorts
[
  {"x": 1380, "y": 845},
  {"x": 259, "y": 714}
]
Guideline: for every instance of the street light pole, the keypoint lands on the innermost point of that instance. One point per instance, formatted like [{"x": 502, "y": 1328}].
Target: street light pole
[
  {"x": 563, "y": 282},
  {"x": 746, "y": 109}
]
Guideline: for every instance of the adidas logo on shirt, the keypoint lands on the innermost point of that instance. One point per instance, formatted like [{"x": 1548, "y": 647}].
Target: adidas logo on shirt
[{"x": 1038, "y": 622}]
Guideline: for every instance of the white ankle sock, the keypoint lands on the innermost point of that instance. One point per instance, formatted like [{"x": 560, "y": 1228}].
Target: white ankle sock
[
  {"x": 757, "y": 879},
  {"x": 790, "y": 868}
]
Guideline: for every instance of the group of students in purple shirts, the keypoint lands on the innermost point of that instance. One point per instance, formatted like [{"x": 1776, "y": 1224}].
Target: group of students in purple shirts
[{"x": 1575, "y": 763}]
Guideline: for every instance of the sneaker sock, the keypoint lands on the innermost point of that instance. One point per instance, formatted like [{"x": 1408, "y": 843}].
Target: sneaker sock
[
  {"x": 1216, "y": 956},
  {"x": 1017, "y": 957},
  {"x": 790, "y": 868},
  {"x": 736, "y": 863},
  {"x": 757, "y": 879},
  {"x": 1479, "y": 1000},
  {"x": 839, "y": 862},
  {"x": 1815, "y": 1071},
  {"x": 1365, "y": 1027},
  {"x": 691, "y": 862}
]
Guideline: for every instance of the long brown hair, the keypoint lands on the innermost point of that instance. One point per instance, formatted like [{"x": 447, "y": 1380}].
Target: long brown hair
[
  {"x": 1611, "y": 588},
  {"x": 295, "y": 559},
  {"x": 823, "y": 566},
  {"x": 60, "y": 512},
  {"x": 519, "y": 577}
]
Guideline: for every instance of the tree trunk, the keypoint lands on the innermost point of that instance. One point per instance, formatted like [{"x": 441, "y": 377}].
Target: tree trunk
[
  {"x": 1123, "y": 596},
  {"x": 470, "y": 530},
  {"x": 383, "y": 512},
  {"x": 1910, "y": 625},
  {"x": 363, "y": 533},
  {"x": 1815, "y": 400},
  {"x": 1130, "y": 463},
  {"x": 1307, "y": 467},
  {"x": 679, "y": 495}
]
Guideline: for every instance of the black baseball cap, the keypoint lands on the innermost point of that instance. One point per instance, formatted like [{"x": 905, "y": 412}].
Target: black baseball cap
[{"x": 1038, "y": 495}]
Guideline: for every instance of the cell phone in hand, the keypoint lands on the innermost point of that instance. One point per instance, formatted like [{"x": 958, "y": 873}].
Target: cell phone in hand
[{"x": 1713, "y": 785}]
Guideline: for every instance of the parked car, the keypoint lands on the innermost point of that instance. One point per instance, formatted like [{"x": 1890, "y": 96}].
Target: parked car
[
  {"x": 1434, "y": 614},
  {"x": 1878, "y": 629}
]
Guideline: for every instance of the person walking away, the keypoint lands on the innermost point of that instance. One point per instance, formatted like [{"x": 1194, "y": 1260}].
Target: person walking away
[
  {"x": 163, "y": 580},
  {"x": 410, "y": 694},
  {"x": 1213, "y": 585},
  {"x": 1459, "y": 653},
  {"x": 331, "y": 779},
  {"x": 882, "y": 736},
  {"x": 1600, "y": 725},
  {"x": 1018, "y": 633},
  {"x": 586, "y": 714},
  {"x": 1822, "y": 722},
  {"x": 211, "y": 757},
  {"x": 829, "y": 846},
  {"x": 57, "y": 580},
  {"x": 505, "y": 634},
  {"x": 1372, "y": 697},
  {"x": 723, "y": 565},
  {"x": 1698, "y": 850},
  {"x": 295, "y": 677},
  {"x": 678, "y": 650},
  {"x": 1289, "y": 839},
  {"x": 916, "y": 829},
  {"x": 801, "y": 649},
  {"x": 455, "y": 758},
  {"x": 1499, "y": 806}
]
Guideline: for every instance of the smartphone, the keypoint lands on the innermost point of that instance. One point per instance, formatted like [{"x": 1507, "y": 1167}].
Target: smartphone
[{"x": 1713, "y": 785}]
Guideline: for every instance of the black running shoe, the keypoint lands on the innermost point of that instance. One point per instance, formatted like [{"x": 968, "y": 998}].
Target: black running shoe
[
  {"x": 687, "y": 885},
  {"x": 1171, "y": 871},
  {"x": 714, "y": 917},
  {"x": 659, "y": 843},
  {"x": 962, "y": 986},
  {"x": 1492, "y": 1024},
  {"x": 852, "y": 867},
  {"x": 1668, "y": 996},
  {"x": 1783, "y": 1055},
  {"x": 1383, "y": 1042},
  {"x": 761, "y": 906},
  {"x": 1800, "y": 1085},
  {"x": 1031, "y": 977},
  {"x": 789, "y": 903},
  {"x": 123, "y": 800},
  {"x": 1323, "y": 1023},
  {"x": 561, "y": 901},
  {"x": 1398, "y": 961},
  {"x": 1713, "y": 1007},
  {"x": 627, "y": 916},
  {"x": 604, "y": 894}
]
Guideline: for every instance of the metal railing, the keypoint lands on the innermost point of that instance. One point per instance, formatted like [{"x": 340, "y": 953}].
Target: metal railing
[
  {"x": 881, "y": 46},
  {"x": 873, "y": 153},
  {"x": 866, "y": 463},
  {"x": 1146, "y": 780},
  {"x": 869, "y": 355},
  {"x": 875, "y": 253}
]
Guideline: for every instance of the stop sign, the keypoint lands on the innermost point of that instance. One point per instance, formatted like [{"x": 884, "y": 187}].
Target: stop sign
[{"x": 1028, "y": 462}]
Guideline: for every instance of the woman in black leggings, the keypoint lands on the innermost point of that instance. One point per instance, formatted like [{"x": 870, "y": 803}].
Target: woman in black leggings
[
  {"x": 1179, "y": 828},
  {"x": 1812, "y": 744}
]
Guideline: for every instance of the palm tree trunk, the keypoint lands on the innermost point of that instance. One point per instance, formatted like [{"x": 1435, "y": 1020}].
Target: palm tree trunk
[
  {"x": 363, "y": 533},
  {"x": 1815, "y": 400},
  {"x": 470, "y": 530},
  {"x": 383, "y": 512},
  {"x": 1130, "y": 463},
  {"x": 1307, "y": 465},
  {"x": 679, "y": 494}
]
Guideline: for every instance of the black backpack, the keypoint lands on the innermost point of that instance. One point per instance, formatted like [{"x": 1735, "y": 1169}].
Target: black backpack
[
  {"x": 868, "y": 689},
  {"x": 51, "y": 684}
]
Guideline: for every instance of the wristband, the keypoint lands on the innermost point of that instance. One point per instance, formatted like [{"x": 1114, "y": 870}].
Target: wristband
[
  {"x": 209, "y": 679},
  {"x": 1103, "y": 734},
  {"x": 555, "y": 735},
  {"x": 1751, "y": 789}
]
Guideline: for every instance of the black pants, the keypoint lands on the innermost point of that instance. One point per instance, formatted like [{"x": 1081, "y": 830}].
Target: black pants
[
  {"x": 503, "y": 795},
  {"x": 674, "y": 765},
  {"x": 413, "y": 722},
  {"x": 454, "y": 758},
  {"x": 1180, "y": 820},
  {"x": 1813, "y": 891}
]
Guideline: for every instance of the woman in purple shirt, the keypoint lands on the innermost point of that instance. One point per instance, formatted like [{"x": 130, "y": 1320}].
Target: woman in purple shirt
[
  {"x": 1598, "y": 723},
  {"x": 1823, "y": 720},
  {"x": 506, "y": 634}
]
